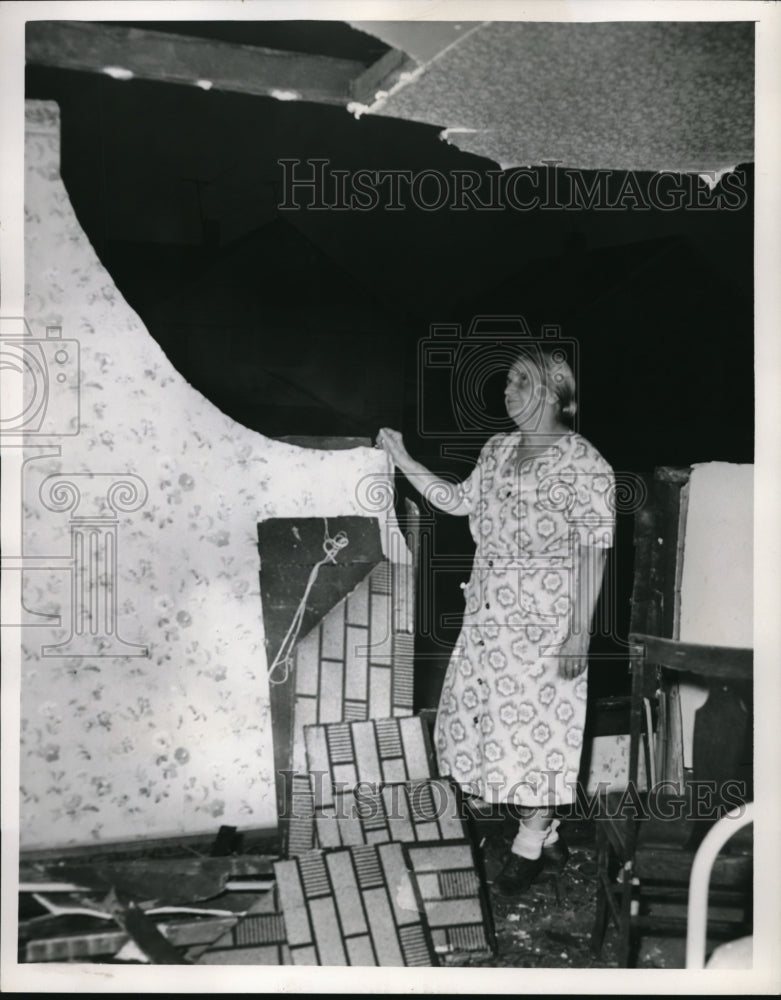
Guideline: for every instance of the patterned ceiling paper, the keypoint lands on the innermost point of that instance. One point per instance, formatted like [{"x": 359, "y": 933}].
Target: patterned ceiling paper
[
  {"x": 379, "y": 750},
  {"x": 308, "y": 568},
  {"x": 353, "y": 906},
  {"x": 331, "y": 753},
  {"x": 108, "y": 942},
  {"x": 616, "y": 95},
  {"x": 257, "y": 938},
  {"x": 299, "y": 833},
  {"x": 156, "y": 722},
  {"x": 376, "y": 814},
  {"x": 453, "y": 898},
  {"x": 357, "y": 794},
  {"x": 608, "y": 765},
  {"x": 356, "y": 663}
]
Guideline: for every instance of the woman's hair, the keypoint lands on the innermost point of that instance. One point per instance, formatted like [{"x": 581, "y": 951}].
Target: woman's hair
[{"x": 557, "y": 374}]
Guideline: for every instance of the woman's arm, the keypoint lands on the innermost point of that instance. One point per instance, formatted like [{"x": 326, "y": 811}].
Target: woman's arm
[
  {"x": 440, "y": 493},
  {"x": 587, "y": 585}
]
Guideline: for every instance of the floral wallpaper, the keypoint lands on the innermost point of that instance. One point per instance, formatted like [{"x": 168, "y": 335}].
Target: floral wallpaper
[{"x": 145, "y": 709}]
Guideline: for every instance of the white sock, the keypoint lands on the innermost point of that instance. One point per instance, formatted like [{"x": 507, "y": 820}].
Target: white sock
[
  {"x": 552, "y": 834},
  {"x": 528, "y": 843}
]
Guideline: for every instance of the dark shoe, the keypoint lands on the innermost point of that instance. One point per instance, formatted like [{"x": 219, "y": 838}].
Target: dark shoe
[
  {"x": 556, "y": 856},
  {"x": 517, "y": 875}
]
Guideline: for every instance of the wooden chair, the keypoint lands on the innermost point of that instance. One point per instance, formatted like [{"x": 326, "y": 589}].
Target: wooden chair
[{"x": 646, "y": 841}]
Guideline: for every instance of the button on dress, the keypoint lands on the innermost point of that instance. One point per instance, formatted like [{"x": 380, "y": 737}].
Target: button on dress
[{"x": 509, "y": 728}]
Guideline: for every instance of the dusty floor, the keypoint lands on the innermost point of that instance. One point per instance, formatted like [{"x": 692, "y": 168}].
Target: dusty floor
[{"x": 551, "y": 926}]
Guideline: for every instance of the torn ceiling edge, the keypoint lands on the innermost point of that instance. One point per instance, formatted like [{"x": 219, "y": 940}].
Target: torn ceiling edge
[
  {"x": 125, "y": 52},
  {"x": 714, "y": 177},
  {"x": 643, "y": 96},
  {"x": 424, "y": 41}
]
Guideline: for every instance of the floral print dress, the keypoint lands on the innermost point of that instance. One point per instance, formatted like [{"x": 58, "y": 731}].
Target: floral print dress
[{"x": 509, "y": 728}]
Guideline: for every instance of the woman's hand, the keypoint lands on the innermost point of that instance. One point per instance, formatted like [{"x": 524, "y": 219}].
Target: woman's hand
[
  {"x": 573, "y": 656},
  {"x": 440, "y": 493},
  {"x": 392, "y": 442},
  {"x": 574, "y": 650}
]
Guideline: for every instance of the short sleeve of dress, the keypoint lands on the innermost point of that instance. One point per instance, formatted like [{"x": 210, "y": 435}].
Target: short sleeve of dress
[
  {"x": 593, "y": 513},
  {"x": 469, "y": 490}
]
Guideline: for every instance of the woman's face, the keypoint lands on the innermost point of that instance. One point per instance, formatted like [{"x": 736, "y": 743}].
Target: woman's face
[{"x": 525, "y": 392}]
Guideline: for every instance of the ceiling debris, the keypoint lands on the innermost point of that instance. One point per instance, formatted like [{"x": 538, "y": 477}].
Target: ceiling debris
[
  {"x": 618, "y": 95},
  {"x": 128, "y": 52},
  {"x": 713, "y": 177},
  {"x": 610, "y": 95}
]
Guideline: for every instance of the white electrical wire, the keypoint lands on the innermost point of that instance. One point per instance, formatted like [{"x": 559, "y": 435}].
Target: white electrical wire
[{"x": 284, "y": 657}]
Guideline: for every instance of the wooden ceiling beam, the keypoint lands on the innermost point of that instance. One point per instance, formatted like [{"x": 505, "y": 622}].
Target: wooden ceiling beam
[{"x": 183, "y": 59}]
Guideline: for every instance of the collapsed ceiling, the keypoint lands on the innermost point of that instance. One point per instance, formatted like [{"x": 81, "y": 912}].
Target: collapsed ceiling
[
  {"x": 617, "y": 95},
  {"x": 612, "y": 95}
]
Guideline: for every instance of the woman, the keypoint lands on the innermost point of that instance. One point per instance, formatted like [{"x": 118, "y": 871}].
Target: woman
[{"x": 509, "y": 726}]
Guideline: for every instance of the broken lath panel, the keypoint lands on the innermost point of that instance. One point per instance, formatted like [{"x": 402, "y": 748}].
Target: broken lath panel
[{"x": 354, "y": 906}]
